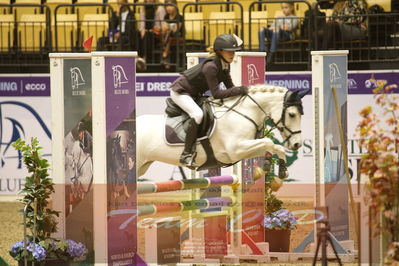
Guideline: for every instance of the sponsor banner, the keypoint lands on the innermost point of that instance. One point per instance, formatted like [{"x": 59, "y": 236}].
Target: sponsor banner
[
  {"x": 154, "y": 85},
  {"x": 21, "y": 117},
  {"x": 336, "y": 196},
  {"x": 25, "y": 86},
  {"x": 120, "y": 79},
  {"x": 158, "y": 85},
  {"x": 35, "y": 119},
  {"x": 78, "y": 144},
  {"x": 120, "y": 97}
]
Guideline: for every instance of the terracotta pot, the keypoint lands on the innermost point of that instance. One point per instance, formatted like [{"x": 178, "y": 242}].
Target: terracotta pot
[
  {"x": 279, "y": 240},
  {"x": 47, "y": 262}
]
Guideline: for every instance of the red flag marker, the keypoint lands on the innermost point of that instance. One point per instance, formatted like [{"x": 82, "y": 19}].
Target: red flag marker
[{"x": 87, "y": 44}]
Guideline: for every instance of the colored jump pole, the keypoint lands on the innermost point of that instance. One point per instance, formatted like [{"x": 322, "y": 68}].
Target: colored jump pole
[
  {"x": 150, "y": 187},
  {"x": 190, "y": 205}
]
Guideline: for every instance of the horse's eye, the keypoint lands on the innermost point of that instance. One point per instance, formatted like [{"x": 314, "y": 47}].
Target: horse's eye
[{"x": 292, "y": 115}]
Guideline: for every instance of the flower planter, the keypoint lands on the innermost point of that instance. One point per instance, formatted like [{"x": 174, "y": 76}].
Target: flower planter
[
  {"x": 47, "y": 262},
  {"x": 279, "y": 240}
]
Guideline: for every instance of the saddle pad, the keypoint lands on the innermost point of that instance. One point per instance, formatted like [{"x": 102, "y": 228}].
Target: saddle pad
[{"x": 175, "y": 129}]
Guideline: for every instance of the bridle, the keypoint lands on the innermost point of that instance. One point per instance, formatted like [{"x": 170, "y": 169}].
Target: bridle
[{"x": 280, "y": 125}]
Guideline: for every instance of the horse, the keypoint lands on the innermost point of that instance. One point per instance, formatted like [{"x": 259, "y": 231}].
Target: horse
[
  {"x": 78, "y": 167},
  {"x": 117, "y": 168},
  {"x": 238, "y": 119},
  {"x": 115, "y": 161}
]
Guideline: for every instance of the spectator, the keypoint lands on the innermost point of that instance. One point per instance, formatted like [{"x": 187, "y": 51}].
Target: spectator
[
  {"x": 313, "y": 19},
  {"x": 151, "y": 17},
  {"x": 171, "y": 31},
  {"x": 281, "y": 30},
  {"x": 348, "y": 23},
  {"x": 122, "y": 30}
]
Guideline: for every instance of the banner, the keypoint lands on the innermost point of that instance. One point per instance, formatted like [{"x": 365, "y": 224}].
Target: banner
[
  {"x": 120, "y": 97},
  {"x": 33, "y": 115},
  {"x": 78, "y": 145}
]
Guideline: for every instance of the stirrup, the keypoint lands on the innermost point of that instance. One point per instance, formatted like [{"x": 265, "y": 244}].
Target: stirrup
[{"x": 188, "y": 160}]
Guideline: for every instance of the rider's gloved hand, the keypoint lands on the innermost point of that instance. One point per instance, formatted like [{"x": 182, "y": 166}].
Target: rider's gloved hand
[{"x": 244, "y": 90}]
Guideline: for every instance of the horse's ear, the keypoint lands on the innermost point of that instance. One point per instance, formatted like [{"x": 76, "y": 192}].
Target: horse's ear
[
  {"x": 291, "y": 96},
  {"x": 302, "y": 93}
]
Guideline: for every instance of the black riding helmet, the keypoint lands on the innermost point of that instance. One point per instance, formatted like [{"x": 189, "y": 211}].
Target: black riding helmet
[{"x": 227, "y": 42}]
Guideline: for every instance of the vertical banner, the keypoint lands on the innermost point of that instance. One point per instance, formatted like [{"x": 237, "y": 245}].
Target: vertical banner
[
  {"x": 253, "y": 202},
  {"x": 215, "y": 237},
  {"x": 329, "y": 72},
  {"x": 78, "y": 150},
  {"x": 114, "y": 105},
  {"x": 167, "y": 243},
  {"x": 215, "y": 228},
  {"x": 72, "y": 145},
  {"x": 248, "y": 69}
]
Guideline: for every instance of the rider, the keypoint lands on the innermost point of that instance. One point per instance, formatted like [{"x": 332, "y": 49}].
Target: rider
[
  {"x": 85, "y": 139},
  {"x": 207, "y": 75}
]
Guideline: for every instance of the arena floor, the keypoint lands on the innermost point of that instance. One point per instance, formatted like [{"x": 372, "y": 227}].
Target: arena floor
[{"x": 11, "y": 229}]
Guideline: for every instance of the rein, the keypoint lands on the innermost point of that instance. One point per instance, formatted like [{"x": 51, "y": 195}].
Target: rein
[
  {"x": 258, "y": 131},
  {"x": 231, "y": 108}
]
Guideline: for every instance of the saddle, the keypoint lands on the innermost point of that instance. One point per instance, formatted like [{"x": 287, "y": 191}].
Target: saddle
[{"x": 177, "y": 122}]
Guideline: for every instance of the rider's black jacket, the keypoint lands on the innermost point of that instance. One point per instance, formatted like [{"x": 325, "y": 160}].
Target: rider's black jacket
[{"x": 207, "y": 75}]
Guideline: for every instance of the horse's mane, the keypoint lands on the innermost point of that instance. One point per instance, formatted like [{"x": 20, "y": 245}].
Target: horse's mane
[{"x": 266, "y": 88}]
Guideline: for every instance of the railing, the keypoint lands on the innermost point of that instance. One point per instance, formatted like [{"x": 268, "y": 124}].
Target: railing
[
  {"x": 294, "y": 52},
  {"x": 202, "y": 23},
  {"x": 201, "y": 28},
  {"x": 153, "y": 44},
  {"x": 378, "y": 48},
  {"x": 25, "y": 39},
  {"x": 72, "y": 29}
]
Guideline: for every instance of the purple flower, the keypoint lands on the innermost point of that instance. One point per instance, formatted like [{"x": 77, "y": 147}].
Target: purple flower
[
  {"x": 36, "y": 250},
  {"x": 15, "y": 248},
  {"x": 280, "y": 220},
  {"x": 76, "y": 250}
]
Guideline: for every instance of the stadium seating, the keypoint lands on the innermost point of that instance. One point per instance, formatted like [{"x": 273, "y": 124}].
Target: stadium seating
[
  {"x": 32, "y": 32},
  {"x": 66, "y": 36},
  {"x": 23, "y": 10},
  {"x": 258, "y": 20},
  {"x": 83, "y": 10},
  {"x": 4, "y": 9},
  {"x": 7, "y": 26},
  {"x": 222, "y": 22},
  {"x": 52, "y": 4},
  {"x": 95, "y": 25}
]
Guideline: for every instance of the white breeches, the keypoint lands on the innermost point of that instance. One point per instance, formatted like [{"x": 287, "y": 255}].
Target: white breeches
[{"x": 188, "y": 105}]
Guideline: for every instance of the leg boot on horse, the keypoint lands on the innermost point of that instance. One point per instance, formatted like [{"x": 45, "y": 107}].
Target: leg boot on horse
[{"x": 188, "y": 156}]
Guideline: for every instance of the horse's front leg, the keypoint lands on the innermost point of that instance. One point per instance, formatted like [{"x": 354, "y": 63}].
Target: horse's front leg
[{"x": 246, "y": 149}]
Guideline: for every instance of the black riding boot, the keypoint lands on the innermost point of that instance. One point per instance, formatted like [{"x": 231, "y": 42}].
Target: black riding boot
[{"x": 187, "y": 157}]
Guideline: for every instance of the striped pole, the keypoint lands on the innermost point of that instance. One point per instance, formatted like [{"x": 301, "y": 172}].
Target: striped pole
[
  {"x": 189, "y": 205},
  {"x": 151, "y": 187}
]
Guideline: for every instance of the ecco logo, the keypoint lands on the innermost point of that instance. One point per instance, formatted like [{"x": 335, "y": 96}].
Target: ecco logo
[{"x": 35, "y": 86}]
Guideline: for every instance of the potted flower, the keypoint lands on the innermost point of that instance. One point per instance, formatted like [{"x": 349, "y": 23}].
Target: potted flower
[
  {"x": 278, "y": 226},
  {"x": 38, "y": 245},
  {"x": 278, "y": 222}
]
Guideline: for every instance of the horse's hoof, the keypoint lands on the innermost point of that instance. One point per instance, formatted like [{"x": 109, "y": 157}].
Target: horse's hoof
[
  {"x": 276, "y": 184},
  {"x": 258, "y": 173}
]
